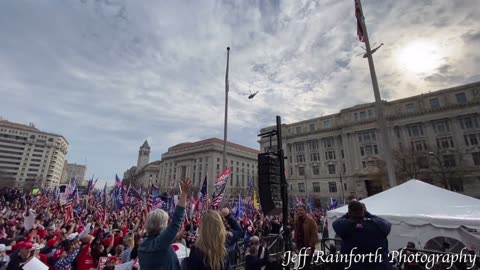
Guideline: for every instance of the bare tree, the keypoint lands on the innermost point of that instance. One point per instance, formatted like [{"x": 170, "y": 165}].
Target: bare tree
[{"x": 446, "y": 167}]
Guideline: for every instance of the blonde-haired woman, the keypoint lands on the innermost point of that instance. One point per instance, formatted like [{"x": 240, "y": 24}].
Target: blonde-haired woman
[{"x": 210, "y": 249}]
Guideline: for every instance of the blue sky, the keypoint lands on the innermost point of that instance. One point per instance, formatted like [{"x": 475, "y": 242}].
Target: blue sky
[{"x": 108, "y": 74}]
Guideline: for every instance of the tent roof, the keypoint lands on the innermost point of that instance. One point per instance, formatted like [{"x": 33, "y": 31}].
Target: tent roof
[{"x": 418, "y": 203}]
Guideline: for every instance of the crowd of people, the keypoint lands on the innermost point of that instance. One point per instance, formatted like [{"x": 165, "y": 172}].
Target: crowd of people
[{"x": 37, "y": 226}]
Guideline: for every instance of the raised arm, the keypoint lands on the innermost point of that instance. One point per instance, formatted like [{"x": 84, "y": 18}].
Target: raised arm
[{"x": 167, "y": 237}]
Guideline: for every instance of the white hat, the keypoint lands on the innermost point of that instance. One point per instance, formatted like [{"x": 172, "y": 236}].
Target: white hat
[
  {"x": 2, "y": 247},
  {"x": 72, "y": 236}
]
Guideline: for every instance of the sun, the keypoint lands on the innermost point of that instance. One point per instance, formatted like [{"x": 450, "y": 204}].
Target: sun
[{"x": 420, "y": 57}]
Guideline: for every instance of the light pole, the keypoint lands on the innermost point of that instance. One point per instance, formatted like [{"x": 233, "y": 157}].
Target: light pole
[{"x": 226, "y": 114}]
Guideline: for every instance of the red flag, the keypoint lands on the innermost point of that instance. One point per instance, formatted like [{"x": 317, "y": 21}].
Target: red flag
[{"x": 359, "y": 15}]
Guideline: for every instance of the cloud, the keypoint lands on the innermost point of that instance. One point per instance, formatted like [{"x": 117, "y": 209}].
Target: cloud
[{"x": 108, "y": 74}]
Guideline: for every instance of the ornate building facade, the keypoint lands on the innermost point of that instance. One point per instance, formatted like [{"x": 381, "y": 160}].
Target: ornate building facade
[{"x": 435, "y": 137}]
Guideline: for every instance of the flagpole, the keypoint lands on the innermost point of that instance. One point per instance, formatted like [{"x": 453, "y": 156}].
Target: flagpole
[
  {"x": 384, "y": 140},
  {"x": 226, "y": 114}
]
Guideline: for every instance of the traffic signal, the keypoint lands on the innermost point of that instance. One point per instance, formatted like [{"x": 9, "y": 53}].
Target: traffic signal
[{"x": 269, "y": 182}]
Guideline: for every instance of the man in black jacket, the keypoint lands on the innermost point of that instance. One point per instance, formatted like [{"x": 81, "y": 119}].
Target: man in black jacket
[{"x": 364, "y": 233}]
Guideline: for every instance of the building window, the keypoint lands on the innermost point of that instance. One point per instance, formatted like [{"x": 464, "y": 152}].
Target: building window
[
  {"x": 299, "y": 147},
  {"x": 369, "y": 150},
  {"x": 441, "y": 126},
  {"x": 331, "y": 169},
  {"x": 243, "y": 180},
  {"x": 301, "y": 187},
  {"x": 363, "y": 115},
  {"x": 370, "y": 114},
  {"x": 291, "y": 171},
  {"x": 344, "y": 168},
  {"x": 237, "y": 180},
  {"x": 471, "y": 139},
  {"x": 461, "y": 98},
  {"x": 327, "y": 124},
  {"x": 445, "y": 142},
  {"x": 301, "y": 171},
  {"x": 316, "y": 187},
  {"x": 476, "y": 158},
  {"x": 434, "y": 103},
  {"x": 343, "y": 154},
  {"x": 315, "y": 157},
  {"x": 355, "y": 117},
  {"x": 410, "y": 108},
  {"x": 312, "y": 127},
  {"x": 315, "y": 170},
  {"x": 218, "y": 159},
  {"x": 313, "y": 144},
  {"x": 328, "y": 142},
  {"x": 367, "y": 136},
  {"x": 470, "y": 122},
  {"x": 419, "y": 145},
  {"x": 449, "y": 161},
  {"x": 300, "y": 158},
  {"x": 299, "y": 130},
  {"x": 330, "y": 155},
  {"x": 218, "y": 166},
  {"x": 345, "y": 186},
  {"x": 332, "y": 187},
  {"x": 415, "y": 130}
]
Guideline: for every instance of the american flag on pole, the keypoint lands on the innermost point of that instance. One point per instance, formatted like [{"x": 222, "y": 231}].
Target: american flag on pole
[
  {"x": 222, "y": 179},
  {"x": 219, "y": 197},
  {"x": 359, "y": 15}
]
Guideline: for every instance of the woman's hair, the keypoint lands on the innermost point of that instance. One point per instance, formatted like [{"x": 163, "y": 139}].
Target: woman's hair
[
  {"x": 211, "y": 240},
  {"x": 156, "y": 221}
]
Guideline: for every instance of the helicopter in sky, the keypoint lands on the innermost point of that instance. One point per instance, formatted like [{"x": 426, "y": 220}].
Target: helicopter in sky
[{"x": 252, "y": 95}]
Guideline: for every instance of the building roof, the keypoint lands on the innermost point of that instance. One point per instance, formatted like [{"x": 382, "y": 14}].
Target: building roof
[
  {"x": 145, "y": 145},
  {"x": 31, "y": 128},
  {"x": 184, "y": 146}
]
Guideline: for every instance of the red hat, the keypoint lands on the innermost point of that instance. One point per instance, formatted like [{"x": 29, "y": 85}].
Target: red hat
[
  {"x": 26, "y": 245},
  {"x": 52, "y": 242}
]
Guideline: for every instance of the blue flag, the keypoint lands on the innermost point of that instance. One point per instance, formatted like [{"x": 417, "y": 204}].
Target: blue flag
[{"x": 239, "y": 211}]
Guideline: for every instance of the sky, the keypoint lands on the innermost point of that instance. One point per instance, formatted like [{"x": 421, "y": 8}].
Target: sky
[{"x": 109, "y": 74}]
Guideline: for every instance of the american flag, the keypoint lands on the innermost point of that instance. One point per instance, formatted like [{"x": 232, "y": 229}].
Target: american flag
[
  {"x": 359, "y": 15},
  {"x": 219, "y": 197},
  {"x": 222, "y": 179}
]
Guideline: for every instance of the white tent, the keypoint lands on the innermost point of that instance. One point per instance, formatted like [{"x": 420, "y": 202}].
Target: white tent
[{"x": 420, "y": 212}]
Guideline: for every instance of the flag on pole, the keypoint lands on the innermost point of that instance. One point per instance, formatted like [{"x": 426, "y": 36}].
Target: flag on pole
[
  {"x": 223, "y": 178},
  {"x": 255, "y": 200},
  {"x": 239, "y": 211},
  {"x": 359, "y": 15},
  {"x": 219, "y": 197},
  {"x": 250, "y": 185},
  {"x": 204, "y": 194}
]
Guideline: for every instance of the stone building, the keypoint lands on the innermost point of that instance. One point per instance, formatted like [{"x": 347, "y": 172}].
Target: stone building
[
  {"x": 30, "y": 157},
  {"x": 196, "y": 161},
  {"x": 437, "y": 134},
  {"x": 74, "y": 170}
]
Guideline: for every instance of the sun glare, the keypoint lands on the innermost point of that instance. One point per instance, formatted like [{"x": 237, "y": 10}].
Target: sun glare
[{"x": 420, "y": 57}]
